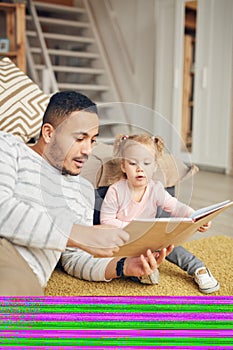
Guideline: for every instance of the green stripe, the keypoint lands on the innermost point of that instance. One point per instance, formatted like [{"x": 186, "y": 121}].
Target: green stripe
[
  {"x": 58, "y": 325},
  {"x": 88, "y": 308},
  {"x": 117, "y": 342}
]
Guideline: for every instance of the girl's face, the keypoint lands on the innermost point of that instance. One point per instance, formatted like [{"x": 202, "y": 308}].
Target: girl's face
[{"x": 138, "y": 164}]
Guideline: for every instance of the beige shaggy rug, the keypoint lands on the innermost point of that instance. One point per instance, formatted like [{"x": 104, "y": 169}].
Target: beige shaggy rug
[{"x": 216, "y": 252}]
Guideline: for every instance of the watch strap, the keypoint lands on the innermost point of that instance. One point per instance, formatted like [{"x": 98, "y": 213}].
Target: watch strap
[{"x": 120, "y": 267}]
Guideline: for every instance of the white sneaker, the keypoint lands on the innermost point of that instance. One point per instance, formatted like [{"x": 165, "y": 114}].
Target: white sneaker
[
  {"x": 205, "y": 280},
  {"x": 147, "y": 279},
  {"x": 150, "y": 279}
]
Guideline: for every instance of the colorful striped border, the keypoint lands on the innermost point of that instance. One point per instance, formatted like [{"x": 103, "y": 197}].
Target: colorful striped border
[{"x": 116, "y": 322}]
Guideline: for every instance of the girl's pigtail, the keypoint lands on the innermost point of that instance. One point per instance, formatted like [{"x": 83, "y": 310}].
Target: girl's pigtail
[
  {"x": 118, "y": 143},
  {"x": 159, "y": 145}
]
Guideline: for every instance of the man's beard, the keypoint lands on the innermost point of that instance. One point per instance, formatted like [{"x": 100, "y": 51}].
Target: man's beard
[
  {"x": 56, "y": 158},
  {"x": 65, "y": 171}
]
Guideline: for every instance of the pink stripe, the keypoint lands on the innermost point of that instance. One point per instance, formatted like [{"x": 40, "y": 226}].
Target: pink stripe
[
  {"x": 116, "y": 300},
  {"x": 133, "y": 317},
  {"x": 121, "y": 333}
]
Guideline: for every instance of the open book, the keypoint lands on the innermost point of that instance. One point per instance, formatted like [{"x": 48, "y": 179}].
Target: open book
[{"x": 159, "y": 233}]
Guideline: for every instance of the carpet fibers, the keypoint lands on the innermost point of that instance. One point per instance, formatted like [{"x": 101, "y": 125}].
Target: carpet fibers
[{"x": 216, "y": 252}]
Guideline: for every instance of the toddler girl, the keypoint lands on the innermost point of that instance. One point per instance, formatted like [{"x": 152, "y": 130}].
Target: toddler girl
[{"x": 135, "y": 195}]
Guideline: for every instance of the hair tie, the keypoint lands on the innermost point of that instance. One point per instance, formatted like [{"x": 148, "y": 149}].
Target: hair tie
[
  {"x": 124, "y": 137},
  {"x": 154, "y": 139}
]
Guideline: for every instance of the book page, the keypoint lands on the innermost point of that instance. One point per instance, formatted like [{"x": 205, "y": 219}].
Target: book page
[
  {"x": 211, "y": 208},
  {"x": 158, "y": 234}
]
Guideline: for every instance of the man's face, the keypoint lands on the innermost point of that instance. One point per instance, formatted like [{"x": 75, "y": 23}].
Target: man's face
[{"x": 72, "y": 142}]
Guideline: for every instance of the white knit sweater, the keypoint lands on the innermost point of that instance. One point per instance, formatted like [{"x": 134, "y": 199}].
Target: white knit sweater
[{"x": 38, "y": 207}]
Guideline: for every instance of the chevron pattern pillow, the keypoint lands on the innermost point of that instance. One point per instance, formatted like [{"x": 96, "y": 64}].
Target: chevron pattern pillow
[{"x": 22, "y": 103}]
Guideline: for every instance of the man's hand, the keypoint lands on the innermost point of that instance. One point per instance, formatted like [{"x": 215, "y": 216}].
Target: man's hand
[
  {"x": 98, "y": 240},
  {"x": 140, "y": 266}
]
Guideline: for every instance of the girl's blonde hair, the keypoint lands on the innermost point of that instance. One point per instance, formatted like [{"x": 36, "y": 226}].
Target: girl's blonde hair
[
  {"x": 123, "y": 141},
  {"x": 156, "y": 143}
]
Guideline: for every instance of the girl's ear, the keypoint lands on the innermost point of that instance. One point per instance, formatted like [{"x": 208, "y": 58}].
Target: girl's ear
[
  {"x": 47, "y": 132},
  {"x": 123, "y": 166}
]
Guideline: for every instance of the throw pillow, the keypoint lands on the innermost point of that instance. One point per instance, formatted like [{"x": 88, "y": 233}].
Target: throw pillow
[{"x": 22, "y": 103}]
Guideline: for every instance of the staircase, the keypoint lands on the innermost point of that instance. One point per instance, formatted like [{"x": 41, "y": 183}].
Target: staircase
[
  {"x": 61, "y": 39},
  {"x": 64, "y": 52}
]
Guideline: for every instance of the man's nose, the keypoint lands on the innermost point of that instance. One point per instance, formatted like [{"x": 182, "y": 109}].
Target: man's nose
[{"x": 86, "y": 147}]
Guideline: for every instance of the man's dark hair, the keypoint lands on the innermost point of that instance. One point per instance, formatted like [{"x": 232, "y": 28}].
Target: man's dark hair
[{"x": 63, "y": 103}]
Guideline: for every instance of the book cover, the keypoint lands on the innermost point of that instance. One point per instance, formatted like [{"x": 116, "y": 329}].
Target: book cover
[{"x": 159, "y": 233}]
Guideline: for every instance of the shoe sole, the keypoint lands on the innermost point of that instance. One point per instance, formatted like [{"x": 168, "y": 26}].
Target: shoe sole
[{"x": 210, "y": 290}]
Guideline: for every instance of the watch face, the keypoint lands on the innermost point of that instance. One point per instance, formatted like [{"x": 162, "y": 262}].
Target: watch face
[{"x": 120, "y": 267}]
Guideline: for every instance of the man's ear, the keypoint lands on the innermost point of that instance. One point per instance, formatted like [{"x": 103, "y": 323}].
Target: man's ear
[{"x": 47, "y": 132}]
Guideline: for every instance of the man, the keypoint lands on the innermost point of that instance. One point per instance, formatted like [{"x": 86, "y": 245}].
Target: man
[{"x": 45, "y": 206}]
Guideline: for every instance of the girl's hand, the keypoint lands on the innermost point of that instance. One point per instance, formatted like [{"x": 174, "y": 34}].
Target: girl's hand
[{"x": 205, "y": 227}]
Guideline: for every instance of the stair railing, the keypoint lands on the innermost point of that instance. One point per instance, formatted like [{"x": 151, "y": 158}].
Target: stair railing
[
  {"x": 116, "y": 90},
  {"x": 51, "y": 85},
  {"x": 118, "y": 33},
  {"x": 123, "y": 49},
  {"x": 30, "y": 62},
  {"x": 100, "y": 45}
]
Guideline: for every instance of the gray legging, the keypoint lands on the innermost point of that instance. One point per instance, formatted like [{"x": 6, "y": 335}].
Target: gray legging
[{"x": 185, "y": 260}]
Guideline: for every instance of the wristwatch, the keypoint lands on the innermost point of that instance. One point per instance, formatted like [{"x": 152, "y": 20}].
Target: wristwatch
[{"x": 120, "y": 267}]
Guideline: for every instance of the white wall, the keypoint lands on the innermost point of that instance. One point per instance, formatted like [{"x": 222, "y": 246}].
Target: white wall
[
  {"x": 212, "y": 132},
  {"x": 149, "y": 72},
  {"x": 213, "y": 83},
  {"x": 164, "y": 66},
  {"x": 131, "y": 51}
]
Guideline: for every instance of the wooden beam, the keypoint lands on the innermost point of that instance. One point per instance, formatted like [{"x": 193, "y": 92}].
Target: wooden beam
[{"x": 192, "y": 5}]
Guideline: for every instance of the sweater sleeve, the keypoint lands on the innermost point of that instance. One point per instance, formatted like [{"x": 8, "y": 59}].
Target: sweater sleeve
[
  {"x": 110, "y": 208},
  {"x": 20, "y": 222},
  {"x": 82, "y": 265}
]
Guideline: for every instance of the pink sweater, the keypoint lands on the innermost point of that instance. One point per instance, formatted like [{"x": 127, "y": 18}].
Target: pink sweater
[{"x": 119, "y": 209}]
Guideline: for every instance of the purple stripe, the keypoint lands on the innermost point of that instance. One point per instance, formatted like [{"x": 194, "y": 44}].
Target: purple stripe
[
  {"x": 218, "y": 333},
  {"x": 119, "y": 300},
  {"x": 133, "y": 317}
]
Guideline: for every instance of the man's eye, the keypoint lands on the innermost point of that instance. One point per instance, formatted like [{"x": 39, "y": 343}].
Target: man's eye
[
  {"x": 147, "y": 163},
  {"x": 93, "y": 141},
  {"x": 132, "y": 163},
  {"x": 79, "y": 139}
]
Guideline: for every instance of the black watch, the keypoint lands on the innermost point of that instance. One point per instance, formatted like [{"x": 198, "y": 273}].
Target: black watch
[{"x": 120, "y": 267}]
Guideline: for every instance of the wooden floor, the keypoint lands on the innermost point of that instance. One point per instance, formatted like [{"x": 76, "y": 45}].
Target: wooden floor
[{"x": 210, "y": 188}]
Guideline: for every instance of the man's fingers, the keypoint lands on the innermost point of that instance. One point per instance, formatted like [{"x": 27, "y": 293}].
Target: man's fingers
[
  {"x": 119, "y": 239},
  {"x": 103, "y": 252},
  {"x": 169, "y": 249},
  {"x": 162, "y": 255},
  {"x": 149, "y": 263},
  {"x": 124, "y": 237},
  {"x": 116, "y": 236},
  {"x": 146, "y": 267},
  {"x": 151, "y": 259}
]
